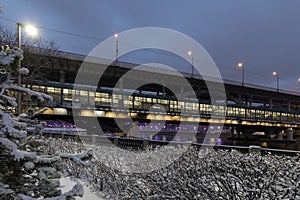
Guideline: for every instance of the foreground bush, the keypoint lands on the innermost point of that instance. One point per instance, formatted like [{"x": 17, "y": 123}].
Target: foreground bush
[{"x": 197, "y": 174}]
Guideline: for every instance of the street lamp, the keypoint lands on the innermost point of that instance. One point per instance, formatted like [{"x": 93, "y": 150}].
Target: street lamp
[
  {"x": 190, "y": 53},
  {"x": 31, "y": 30},
  {"x": 241, "y": 65},
  {"x": 117, "y": 45},
  {"x": 277, "y": 80}
]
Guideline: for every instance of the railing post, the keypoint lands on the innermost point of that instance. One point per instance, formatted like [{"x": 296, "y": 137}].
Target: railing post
[
  {"x": 254, "y": 149},
  {"x": 93, "y": 139},
  {"x": 145, "y": 144},
  {"x": 76, "y": 138},
  {"x": 116, "y": 141},
  {"x": 62, "y": 135}
]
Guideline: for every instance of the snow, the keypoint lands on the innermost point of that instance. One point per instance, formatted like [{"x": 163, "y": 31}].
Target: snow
[
  {"x": 78, "y": 157},
  {"x": 69, "y": 188},
  {"x": 67, "y": 184},
  {"x": 197, "y": 174},
  {"x": 6, "y": 60},
  {"x": 4, "y": 189},
  {"x": 10, "y": 100},
  {"x": 36, "y": 170},
  {"x": 19, "y": 155},
  {"x": 29, "y": 165},
  {"x": 40, "y": 111},
  {"x": 41, "y": 96},
  {"x": 17, "y": 52},
  {"x": 10, "y": 123},
  {"x": 40, "y": 159},
  {"x": 8, "y": 56},
  {"x": 48, "y": 169},
  {"x": 24, "y": 71},
  {"x": 163, "y": 172},
  {"x": 8, "y": 143}
]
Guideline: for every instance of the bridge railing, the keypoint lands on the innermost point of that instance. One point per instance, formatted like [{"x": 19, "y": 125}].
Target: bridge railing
[{"x": 142, "y": 144}]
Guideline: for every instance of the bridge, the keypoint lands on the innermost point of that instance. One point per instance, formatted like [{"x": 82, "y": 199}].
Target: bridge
[{"x": 247, "y": 108}]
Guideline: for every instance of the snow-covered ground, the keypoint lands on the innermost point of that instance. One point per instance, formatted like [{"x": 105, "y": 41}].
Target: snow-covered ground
[{"x": 67, "y": 184}]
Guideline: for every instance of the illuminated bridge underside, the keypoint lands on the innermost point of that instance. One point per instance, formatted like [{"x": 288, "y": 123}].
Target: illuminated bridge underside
[
  {"x": 173, "y": 110},
  {"x": 246, "y": 105}
]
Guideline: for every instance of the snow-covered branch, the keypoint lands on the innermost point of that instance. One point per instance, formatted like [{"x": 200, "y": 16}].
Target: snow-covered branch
[
  {"x": 41, "y": 96},
  {"x": 26, "y": 172},
  {"x": 12, "y": 127},
  {"x": 77, "y": 158}
]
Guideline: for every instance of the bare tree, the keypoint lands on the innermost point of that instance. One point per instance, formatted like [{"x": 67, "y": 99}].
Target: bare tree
[{"x": 37, "y": 54}]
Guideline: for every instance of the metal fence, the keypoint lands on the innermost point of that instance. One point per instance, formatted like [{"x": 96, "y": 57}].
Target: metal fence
[{"x": 143, "y": 144}]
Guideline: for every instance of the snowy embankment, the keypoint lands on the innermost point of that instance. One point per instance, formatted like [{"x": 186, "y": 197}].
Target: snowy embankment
[{"x": 197, "y": 174}]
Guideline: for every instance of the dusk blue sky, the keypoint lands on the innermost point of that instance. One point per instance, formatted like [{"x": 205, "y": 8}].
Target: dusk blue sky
[{"x": 263, "y": 34}]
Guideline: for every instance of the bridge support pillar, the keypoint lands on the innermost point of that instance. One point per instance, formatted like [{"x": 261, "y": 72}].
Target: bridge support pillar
[
  {"x": 289, "y": 105},
  {"x": 271, "y": 103},
  {"x": 250, "y": 100},
  {"x": 121, "y": 86},
  {"x": 240, "y": 98}
]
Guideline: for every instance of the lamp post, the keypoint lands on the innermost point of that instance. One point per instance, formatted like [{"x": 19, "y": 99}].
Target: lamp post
[
  {"x": 117, "y": 45},
  {"x": 31, "y": 30},
  {"x": 241, "y": 65},
  {"x": 277, "y": 80},
  {"x": 190, "y": 53}
]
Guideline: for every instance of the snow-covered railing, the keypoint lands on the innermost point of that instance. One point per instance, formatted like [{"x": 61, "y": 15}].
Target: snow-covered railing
[
  {"x": 70, "y": 131},
  {"x": 141, "y": 144}
]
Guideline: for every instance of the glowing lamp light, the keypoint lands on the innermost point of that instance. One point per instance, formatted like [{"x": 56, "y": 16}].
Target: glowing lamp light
[
  {"x": 116, "y": 35},
  {"x": 31, "y": 30},
  {"x": 274, "y": 73},
  {"x": 190, "y": 53},
  {"x": 240, "y": 64}
]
